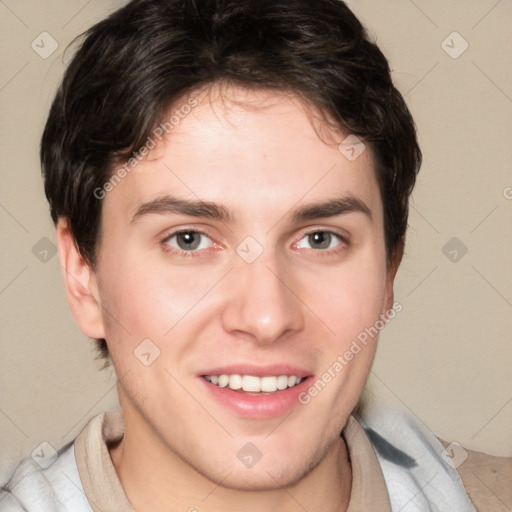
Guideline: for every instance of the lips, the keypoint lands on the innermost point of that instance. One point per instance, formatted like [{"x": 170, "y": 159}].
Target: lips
[{"x": 255, "y": 391}]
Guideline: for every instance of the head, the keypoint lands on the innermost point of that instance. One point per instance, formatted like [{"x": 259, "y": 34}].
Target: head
[{"x": 231, "y": 123}]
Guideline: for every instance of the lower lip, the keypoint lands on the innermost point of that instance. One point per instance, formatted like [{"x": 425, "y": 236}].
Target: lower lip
[{"x": 258, "y": 406}]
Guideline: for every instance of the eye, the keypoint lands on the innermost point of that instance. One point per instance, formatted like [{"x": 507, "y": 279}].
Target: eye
[
  {"x": 321, "y": 240},
  {"x": 188, "y": 241}
]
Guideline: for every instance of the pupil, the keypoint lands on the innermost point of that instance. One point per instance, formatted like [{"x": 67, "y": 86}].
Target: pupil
[
  {"x": 188, "y": 239},
  {"x": 322, "y": 238}
]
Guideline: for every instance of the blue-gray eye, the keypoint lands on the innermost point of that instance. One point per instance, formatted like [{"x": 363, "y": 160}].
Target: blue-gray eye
[
  {"x": 320, "y": 240},
  {"x": 188, "y": 240}
]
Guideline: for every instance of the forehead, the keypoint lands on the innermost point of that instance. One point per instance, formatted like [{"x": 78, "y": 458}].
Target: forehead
[{"x": 257, "y": 151}]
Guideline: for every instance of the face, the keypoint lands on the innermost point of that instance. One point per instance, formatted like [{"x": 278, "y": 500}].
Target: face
[{"x": 265, "y": 284}]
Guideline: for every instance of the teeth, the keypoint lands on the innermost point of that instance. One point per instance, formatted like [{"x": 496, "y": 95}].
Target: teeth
[
  {"x": 268, "y": 384},
  {"x": 252, "y": 384},
  {"x": 223, "y": 381},
  {"x": 292, "y": 380},
  {"x": 235, "y": 382},
  {"x": 282, "y": 382}
]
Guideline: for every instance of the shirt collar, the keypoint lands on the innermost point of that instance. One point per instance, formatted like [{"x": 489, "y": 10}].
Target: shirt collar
[{"x": 369, "y": 490}]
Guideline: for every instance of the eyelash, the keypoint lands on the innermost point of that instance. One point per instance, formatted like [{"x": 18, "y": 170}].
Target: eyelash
[{"x": 321, "y": 253}]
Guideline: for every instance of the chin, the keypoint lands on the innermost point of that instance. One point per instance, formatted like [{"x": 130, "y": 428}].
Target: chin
[
  {"x": 263, "y": 479},
  {"x": 268, "y": 474}
]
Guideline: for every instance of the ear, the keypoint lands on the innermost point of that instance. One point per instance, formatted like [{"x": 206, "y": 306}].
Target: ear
[
  {"x": 81, "y": 285},
  {"x": 396, "y": 258}
]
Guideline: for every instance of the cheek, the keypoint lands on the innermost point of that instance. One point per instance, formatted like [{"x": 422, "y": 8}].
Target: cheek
[
  {"x": 348, "y": 303},
  {"x": 349, "y": 300},
  {"x": 145, "y": 298}
]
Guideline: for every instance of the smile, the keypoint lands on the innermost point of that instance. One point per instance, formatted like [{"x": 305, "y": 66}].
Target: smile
[{"x": 253, "y": 384}]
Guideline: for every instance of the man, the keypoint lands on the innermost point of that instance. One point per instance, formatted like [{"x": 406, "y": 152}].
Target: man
[{"x": 230, "y": 182}]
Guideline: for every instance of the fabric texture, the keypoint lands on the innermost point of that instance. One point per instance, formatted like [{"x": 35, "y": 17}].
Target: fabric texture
[
  {"x": 418, "y": 477},
  {"x": 398, "y": 464},
  {"x": 55, "y": 489}
]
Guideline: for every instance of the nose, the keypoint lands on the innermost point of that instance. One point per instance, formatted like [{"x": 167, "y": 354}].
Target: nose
[{"x": 262, "y": 305}]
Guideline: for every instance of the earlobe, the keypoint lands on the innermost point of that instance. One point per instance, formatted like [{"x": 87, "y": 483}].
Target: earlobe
[{"x": 80, "y": 281}]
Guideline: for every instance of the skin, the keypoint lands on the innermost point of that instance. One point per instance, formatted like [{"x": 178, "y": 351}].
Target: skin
[{"x": 262, "y": 157}]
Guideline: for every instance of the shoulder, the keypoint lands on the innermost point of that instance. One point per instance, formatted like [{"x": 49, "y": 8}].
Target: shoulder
[
  {"x": 487, "y": 478},
  {"x": 53, "y": 484}
]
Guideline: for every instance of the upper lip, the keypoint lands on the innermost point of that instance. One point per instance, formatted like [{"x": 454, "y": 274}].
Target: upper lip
[{"x": 258, "y": 371}]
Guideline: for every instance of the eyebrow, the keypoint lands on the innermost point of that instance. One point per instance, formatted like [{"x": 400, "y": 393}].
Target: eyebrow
[{"x": 205, "y": 209}]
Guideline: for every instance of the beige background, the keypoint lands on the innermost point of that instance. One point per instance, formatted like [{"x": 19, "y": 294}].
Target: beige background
[{"x": 446, "y": 357}]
